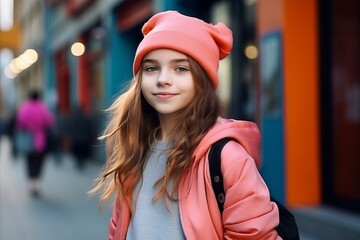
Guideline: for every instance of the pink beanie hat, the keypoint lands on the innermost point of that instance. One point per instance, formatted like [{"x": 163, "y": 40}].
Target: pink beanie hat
[{"x": 204, "y": 42}]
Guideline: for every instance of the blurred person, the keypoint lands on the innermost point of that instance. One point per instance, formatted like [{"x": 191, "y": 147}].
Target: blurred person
[
  {"x": 34, "y": 117},
  {"x": 2, "y": 114},
  {"x": 2, "y": 126},
  {"x": 9, "y": 131},
  {"x": 79, "y": 132},
  {"x": 55, "y": 138},
  {"x": 159, "y": 135}
]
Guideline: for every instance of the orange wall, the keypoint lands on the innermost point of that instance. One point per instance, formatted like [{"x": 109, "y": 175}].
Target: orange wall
[
  {"x": 11, "y": 39},
  {"x": 297, "y": 21}
]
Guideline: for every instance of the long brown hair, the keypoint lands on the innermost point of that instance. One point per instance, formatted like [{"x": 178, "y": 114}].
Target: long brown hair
[{"x": 132, "y": 128}]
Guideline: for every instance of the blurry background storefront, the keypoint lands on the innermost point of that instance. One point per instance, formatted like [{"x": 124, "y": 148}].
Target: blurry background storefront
[
  {"x": 340, "y": 102},
  {"x": 110, "y": 32},
  {"x": 294, "y": 70}
]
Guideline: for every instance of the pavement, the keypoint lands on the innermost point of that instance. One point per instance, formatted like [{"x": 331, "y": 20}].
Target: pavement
[{"x": 64, "y": 211}]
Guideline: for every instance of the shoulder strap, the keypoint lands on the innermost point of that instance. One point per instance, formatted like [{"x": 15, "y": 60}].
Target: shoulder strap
[
  {"x": 215, "y": 171},
  {"x": 287, "y": 228}
]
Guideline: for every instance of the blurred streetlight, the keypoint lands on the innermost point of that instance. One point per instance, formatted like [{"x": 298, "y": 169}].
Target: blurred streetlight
[
  {"x": 251, "y": 52},
  {"x": 19, "y": 64},
  {"x": 77, "y": 49}
]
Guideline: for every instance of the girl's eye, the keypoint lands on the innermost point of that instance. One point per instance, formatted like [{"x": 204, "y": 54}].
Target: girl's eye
[
  {"x": 181, "y": 69},
  {"x": 150, "y": 68}
]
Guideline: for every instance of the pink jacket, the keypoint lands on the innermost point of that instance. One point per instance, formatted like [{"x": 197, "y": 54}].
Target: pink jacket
[
  {"x": 34, "y": 117},
  {"x": 248, "y": 212}
]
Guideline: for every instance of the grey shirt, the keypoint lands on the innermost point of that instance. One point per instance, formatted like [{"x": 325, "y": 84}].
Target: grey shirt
[{"x": 153, "y": 220}]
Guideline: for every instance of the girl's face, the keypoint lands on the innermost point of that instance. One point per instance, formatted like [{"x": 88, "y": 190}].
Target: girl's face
[{"x": 167, "y": 82}]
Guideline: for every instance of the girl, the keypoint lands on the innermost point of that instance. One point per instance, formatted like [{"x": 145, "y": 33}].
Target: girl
[{"x": 158, "y": 139}]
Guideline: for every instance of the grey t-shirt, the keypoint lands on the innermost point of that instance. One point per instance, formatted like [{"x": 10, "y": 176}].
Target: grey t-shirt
[{"x": 153, "y": 220}]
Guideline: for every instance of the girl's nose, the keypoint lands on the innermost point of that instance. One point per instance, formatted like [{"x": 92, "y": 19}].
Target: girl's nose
[{"x": 164, "y": 78}]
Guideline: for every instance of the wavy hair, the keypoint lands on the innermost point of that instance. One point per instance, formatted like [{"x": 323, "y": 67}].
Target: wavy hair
[{"x": 132, "y": 128}]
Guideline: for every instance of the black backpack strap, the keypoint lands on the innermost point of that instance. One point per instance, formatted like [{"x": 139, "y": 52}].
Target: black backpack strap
[
  {"x": 287, "y": 228},
  {"x": 215, "y": 171}
]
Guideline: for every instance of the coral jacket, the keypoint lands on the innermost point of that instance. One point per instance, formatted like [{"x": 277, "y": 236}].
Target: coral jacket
[{"x": 248, "y": 212}]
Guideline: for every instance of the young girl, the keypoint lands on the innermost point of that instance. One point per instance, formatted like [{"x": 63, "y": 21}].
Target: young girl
[{"x": 159, "y": 136}]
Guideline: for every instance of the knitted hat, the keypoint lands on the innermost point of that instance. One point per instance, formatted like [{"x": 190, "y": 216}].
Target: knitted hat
[{"x": 205, "y": 43}]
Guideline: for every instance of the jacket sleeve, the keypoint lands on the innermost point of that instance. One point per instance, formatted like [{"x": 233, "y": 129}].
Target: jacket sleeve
[
  {"x": 248, "y": 212},
  {"x": 19, "y": 118},
  {"x": 113, "y": 220}
]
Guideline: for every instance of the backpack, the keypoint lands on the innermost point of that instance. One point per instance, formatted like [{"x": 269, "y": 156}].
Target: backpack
[{"x": 287, "y": 228}]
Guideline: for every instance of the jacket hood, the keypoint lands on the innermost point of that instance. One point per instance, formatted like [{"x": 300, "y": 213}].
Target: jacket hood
[{"x": 244, "y": 132}]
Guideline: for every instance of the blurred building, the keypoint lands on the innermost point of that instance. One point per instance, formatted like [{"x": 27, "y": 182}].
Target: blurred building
[
  {"x": 310, "y": 108},
  {"x": 25, "y": 40},
  {"x": 294, "y": 70}
]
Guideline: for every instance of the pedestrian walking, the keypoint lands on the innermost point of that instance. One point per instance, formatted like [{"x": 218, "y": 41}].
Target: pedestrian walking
[
  {"x": 159, "y": 136},
  {"x": 80, "y": 135},
  {"x": 35, "y": 118}
]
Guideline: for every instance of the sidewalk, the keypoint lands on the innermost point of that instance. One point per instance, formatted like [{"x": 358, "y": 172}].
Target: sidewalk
[{"x": 63, "y": 212}]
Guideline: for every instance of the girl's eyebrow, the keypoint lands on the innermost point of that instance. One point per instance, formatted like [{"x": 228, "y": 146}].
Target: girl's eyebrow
[{"x": 149, "y": 60}]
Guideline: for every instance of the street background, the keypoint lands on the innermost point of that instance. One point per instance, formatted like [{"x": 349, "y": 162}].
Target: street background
[
  {"x": 293, "y": 70},
  {"x": 64, "y": 211}
]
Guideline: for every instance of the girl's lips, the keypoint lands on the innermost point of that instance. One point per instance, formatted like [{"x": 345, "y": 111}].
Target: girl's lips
[{"x": 164, "y": 95}]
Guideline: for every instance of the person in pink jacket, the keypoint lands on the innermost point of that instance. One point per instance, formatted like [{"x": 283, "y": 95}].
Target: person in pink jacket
[
  {"x": 159, "y": 135},
  {"x": 34, "y": 117}
]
